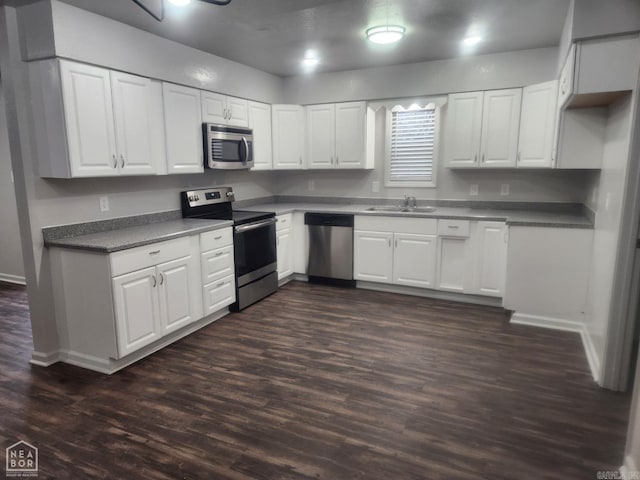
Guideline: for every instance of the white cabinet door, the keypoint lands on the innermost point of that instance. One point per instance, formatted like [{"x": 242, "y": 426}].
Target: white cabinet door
[
  {"x": 175, "y": 292},
  {"x": 373, "y": 256},
  {"x": 136, "y": 307},
  {"x": 214, "y": 108},
  {"x": 88, "y": 108},
  {"x": 288, "y": 136},
  {"x": 135, "y": 133},
  {"x": 237, "y": 112},
  {"x": 414, "y": 260},
  {"x": 537, "y": 125},
  {"x": 183, "y": 129},
  {"x": 284, "y": 252},
  {"x": 260, "y": 123},
  {"x": 463, "y": 129},
  {"x": 350, "y": 134},
  {"x": 490, "y": 253},
  {"x": 453, "y": 264},
  {"x": 321, "y": 140},
  {"x": 500, "y": 125}
]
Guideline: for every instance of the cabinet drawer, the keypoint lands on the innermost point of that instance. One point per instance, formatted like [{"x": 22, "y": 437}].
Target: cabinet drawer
[
  {"x": 219, "y": 294},
  {"x": 217, "y": 264},
  {"x": 216, "y": 239},
  {"x": 284, "y": 221},
  {"x": 453, "y": 228},
  {"x": 425, "y": 226},
  {"x": 148, "y": 255}
]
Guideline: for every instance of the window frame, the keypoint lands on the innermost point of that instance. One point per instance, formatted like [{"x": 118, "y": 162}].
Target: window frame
[{"x": 388, "y": 181}]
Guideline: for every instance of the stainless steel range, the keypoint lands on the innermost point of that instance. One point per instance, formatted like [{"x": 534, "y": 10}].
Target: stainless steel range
[{"x": 254, "y": 241}]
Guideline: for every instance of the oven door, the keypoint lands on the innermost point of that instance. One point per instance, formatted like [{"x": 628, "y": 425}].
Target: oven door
[
  {"x": 229, "y": 151},
  {"x": 255, "y": 250}
]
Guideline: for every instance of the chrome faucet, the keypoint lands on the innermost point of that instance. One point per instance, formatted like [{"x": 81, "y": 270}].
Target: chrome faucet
[{"x": 409, "y": 202}]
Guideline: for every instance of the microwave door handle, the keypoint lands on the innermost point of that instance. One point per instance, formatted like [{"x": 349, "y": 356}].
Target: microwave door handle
[{"x": 246, "y": 151}]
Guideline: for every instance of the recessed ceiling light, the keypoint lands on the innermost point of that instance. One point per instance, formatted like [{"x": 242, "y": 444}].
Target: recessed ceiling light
[
  {"x": 180, "y": 3},
  {"x": 472, "y": 40},
  {"x": 385, "y": 34}
]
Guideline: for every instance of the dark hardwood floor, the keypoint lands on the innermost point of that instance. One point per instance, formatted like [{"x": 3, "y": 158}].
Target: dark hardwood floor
[{"x": 317, "y": 382}]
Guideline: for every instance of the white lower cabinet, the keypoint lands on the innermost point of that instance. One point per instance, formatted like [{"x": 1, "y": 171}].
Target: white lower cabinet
[
  {"x": 176, "y": 287},
  {"x": 453, "y": 264},
  {"x": 136, "y": 309},
  {"x": 490, "y": 241},
  {"x": 373, "y": 256},
  {"x": 395, "y": 250},
  {"x": 284, "y": 245},
  {"x": 217, "y": 265},
  {"x": 414, "y": 258}
]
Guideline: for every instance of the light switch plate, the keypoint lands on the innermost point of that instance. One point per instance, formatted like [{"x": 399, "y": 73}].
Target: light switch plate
[
  {"x": 504, "y": 189},
  {"x": 375, "y": 187},
  {"x": 473, "y": 190}
]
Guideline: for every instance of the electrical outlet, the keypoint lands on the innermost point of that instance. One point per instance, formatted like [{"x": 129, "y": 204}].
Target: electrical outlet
[
  {"x": 311, "y": 185},
  {"x": 504, "y": 189},
  {"x": 473, "y": 190},
  {"x": 104, "y": 204},
  {"x": 375, "y": 187}
]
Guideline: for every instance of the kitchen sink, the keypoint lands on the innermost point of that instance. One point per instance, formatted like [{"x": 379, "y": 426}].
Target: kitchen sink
[{"x": 399, "y": 208}]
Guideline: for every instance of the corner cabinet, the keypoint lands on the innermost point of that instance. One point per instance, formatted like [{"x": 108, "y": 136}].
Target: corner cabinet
[
  {"x": 260, "y": 123},
  {"x": 288, "y": 123},
  {"x": 183, "y": 129},
  {"x": 93, "y": 122},
  {"x": 481, "y": 129}
]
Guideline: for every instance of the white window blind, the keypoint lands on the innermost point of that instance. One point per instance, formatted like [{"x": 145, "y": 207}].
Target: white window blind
[{"x": 412, "y": 145}]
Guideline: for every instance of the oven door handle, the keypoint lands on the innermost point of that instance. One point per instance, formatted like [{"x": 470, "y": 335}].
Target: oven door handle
[{"x": 253, "y": 226}]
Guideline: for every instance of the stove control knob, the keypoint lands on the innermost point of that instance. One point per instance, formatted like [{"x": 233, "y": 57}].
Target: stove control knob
[
  {"x": 191, "y": 198},
  {"x": 229, "y": 194},
  {"x": 197, "y": 198}
]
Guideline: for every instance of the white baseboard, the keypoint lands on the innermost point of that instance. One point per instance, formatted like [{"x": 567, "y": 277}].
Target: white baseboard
[
  {"x": 86, "y": 361},
  {"x": 427, "y": 293},
  {"x": 567, "y": 326},
  {"x": 5, "y": 277},
  {"x": 629, "y": 469},
  {"x": 42, "y": 359}
]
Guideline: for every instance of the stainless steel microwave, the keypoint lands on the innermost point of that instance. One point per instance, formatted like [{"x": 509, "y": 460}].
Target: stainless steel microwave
[{"x": 227, "y": 148}]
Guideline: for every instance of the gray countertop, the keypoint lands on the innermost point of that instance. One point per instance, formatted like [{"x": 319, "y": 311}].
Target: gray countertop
[
  {"x": 129, "y": 237},
  {"x": 511, "y": 217}
]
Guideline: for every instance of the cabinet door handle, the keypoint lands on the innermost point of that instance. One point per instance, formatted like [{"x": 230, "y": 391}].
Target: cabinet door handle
[
  {"x": 155, "y": 282},
  {"x": 161, "y": 279},
  {"x": 389, "y": 243},
  {"x": 115, "y": 161},
  {"x": 396, "y": 243},
  {"x": 122, "y": 160},
  {"x": 475, "y": 158},
  {"x": 154, "y": 252},
  {"x": 518, "y": 158},
  {"x": 217, "y": 238},
  {"x": 453, "y": 226},
  {"x": 219, "y": 253},
  {"x": 300, "y": 160},
  {"x": 331, "y": 160},
  {"x": 220, "y": 284},
  {"x": 337, "y": 160},
  {"x": 483, "y": 158},
  {"x": 229, "y": 112}
]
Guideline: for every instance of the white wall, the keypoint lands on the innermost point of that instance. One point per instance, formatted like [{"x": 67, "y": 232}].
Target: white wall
[
  {"x": 11, "y": 268},
  {"x": 610, "y": 195}
]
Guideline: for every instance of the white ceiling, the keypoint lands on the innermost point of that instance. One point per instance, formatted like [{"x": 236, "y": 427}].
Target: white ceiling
[{"x": 273, "y": 35}]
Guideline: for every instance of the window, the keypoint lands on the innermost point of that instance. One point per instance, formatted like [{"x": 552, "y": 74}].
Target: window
[{"x": 412, "y": 146}]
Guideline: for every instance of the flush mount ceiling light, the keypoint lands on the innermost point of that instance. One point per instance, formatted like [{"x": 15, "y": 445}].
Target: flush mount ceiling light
[
  {"x": 385, "y": 34},
  {"x": 310, "y": 60},
  {"x": 471, "y": 40}
]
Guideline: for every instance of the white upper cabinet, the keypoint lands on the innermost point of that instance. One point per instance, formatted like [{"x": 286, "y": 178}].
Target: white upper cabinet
[
  {"x": 90, "y": 128},
  {"x": 288, "y": 123},
  {"x": 136, "y": 133},
  {"x": 353, "y": 129},
  {"x": 500, "y": 124},
  {"x": 321, "y": 130},
  {"x": 481, "y": 129},
  {"x": 463, "y": 128},
  {"x": 183, "y": 129},
  {"x": 337, "y": 136},
  {"x": 260, "y": 123},
  {"x": 224, "y": 110},
  {"x": 537, "y": 125}
]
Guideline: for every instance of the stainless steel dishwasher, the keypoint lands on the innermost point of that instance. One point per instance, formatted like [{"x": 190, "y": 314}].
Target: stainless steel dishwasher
[{"x": 330, "y": 248}]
